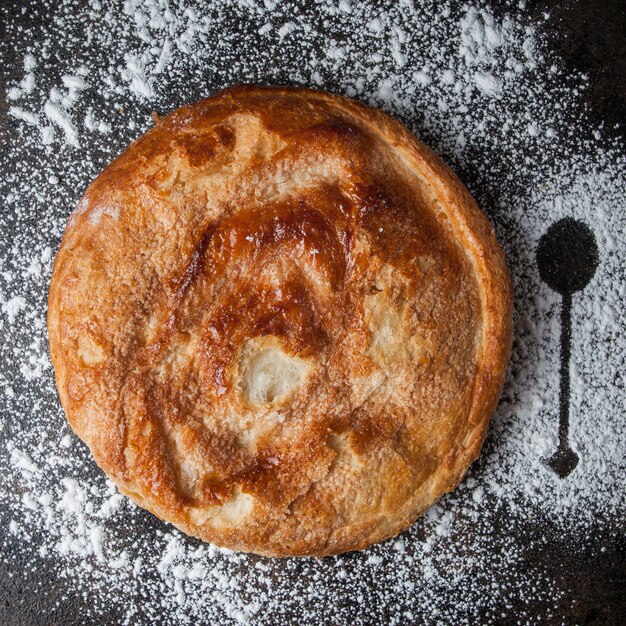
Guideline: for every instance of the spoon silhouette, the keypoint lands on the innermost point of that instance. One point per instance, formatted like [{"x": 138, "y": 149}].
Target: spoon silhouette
[{"x": 567, "y": 257}]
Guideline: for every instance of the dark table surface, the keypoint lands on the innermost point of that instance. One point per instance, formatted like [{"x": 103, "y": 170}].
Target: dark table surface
[{"x": 585, "y": 36}]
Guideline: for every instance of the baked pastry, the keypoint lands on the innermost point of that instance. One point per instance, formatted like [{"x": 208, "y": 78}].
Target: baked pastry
[{"x": 280, "y": 322}]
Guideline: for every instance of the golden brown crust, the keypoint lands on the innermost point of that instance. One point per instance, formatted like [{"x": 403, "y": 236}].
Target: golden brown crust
[{"x": 280, "y": 322}]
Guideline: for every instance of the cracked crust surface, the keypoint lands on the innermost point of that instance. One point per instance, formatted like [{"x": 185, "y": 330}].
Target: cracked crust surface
[{"x": 280, "y": 322}]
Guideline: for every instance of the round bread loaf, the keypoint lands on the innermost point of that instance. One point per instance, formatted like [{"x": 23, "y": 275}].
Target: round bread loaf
[{"x": 280, "y": 322}]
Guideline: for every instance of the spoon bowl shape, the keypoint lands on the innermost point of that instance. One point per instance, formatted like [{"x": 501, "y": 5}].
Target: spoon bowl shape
[{"x": 567, "y": 256}]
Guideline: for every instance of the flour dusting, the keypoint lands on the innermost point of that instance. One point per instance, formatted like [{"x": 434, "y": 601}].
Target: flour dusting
[{"x": 482, "y": 90}]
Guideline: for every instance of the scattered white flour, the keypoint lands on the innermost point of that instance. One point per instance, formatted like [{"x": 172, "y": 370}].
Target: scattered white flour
[
  {"x": 12, "y": 308},
  {"x": 484, "y": 92},
  {"x": 58, "y": 116}
]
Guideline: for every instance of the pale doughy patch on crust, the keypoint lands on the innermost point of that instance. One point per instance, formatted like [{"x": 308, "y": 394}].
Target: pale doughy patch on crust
[{"x": 280, "y": 322}]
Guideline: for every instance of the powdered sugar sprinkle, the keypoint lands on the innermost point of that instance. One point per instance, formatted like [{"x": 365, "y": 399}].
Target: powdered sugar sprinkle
[{"x": 481, "y": 90}]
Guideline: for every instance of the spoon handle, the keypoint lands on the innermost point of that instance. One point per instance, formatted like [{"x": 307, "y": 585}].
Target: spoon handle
[{"x": 566, "y": 337}]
